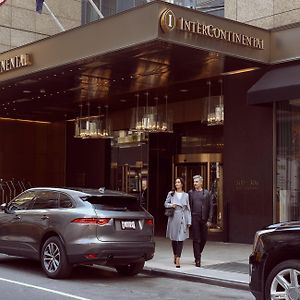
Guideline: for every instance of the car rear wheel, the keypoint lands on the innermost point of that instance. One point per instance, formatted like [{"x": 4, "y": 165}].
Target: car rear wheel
[
  {"x": 54, "y": 260},
  {"x": 284, "y": 281},
  {"x": 130, "y": 269}
]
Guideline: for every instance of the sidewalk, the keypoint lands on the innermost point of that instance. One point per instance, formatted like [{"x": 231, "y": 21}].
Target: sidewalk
[{"x": 224, "y": 264}]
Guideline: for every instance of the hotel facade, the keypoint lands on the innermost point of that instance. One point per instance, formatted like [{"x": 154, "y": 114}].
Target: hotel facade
[{"x": 153, "y": 92}]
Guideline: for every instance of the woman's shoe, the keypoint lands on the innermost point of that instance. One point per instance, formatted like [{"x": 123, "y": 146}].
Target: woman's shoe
[{"x": 177, "y": 262}]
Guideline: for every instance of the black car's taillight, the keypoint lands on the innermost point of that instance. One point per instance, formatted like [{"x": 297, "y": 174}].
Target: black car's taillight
[{"x": 149, "y": 221}]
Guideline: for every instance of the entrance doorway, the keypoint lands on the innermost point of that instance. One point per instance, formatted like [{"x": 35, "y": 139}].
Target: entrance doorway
[
  {"x": 210, "y": 167},
  {"x": 129, "y": 170}
]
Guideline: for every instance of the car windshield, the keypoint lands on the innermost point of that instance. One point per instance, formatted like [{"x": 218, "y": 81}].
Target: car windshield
[{"x": 114, "y": 203}]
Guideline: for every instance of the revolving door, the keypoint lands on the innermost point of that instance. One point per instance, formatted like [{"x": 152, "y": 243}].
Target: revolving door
[{"x": 210, "y": 167}]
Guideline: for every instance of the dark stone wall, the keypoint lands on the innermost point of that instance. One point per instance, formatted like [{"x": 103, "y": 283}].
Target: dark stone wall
[
  {"x": 87, "y": 161},
  {"x": 33, "y": 152},
  {"x": 248, "y": 165},
  {"x": 161, "y": 151}
]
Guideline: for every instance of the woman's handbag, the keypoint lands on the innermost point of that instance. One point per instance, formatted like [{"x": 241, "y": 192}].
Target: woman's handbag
[{"x": 169, "y": 212}]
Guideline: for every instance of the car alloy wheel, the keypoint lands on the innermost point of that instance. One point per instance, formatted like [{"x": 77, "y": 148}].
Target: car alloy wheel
[
  {"x": 54, "y": 259},
  {"x": 51, "y": 257},
  {"x": 284, "y": 281}
]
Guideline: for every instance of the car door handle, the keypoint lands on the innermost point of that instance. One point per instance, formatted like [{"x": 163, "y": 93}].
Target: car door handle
[{"x": 44, "y": 217}]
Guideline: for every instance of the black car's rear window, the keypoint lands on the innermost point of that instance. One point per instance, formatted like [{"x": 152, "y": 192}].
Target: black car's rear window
[{"x": 114, "y": 203}]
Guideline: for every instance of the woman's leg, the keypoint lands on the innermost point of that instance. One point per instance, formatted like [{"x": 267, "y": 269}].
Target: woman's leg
[
  {"x": 174, "y": 247},
  {"x": 179, "y": 246}
]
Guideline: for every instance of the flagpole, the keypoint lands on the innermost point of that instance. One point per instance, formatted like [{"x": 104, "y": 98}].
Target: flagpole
[
  {"x": 96, "y": 9},
  {"x": 53, "y": 16}
]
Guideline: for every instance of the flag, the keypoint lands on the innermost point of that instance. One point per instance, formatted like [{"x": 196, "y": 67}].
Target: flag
[
  {"x": 39, "y": 6},
  {"x": 2, "y": 2}
]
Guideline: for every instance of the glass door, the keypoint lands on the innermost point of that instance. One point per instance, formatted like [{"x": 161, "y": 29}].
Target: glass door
[
  {"x": 129, "y": 171},
  {"x": 210, "y": 167}
]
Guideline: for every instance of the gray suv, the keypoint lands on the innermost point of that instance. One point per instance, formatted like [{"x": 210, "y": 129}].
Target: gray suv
[{"x": 66, "y": 227}]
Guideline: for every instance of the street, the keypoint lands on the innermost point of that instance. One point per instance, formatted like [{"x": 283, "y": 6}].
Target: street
[{"x": 24, "y": 279}]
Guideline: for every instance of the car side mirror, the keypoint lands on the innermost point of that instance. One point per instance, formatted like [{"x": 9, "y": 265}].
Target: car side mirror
[{"x": 3, "y": 206}]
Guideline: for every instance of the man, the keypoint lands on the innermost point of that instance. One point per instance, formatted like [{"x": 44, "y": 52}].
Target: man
[
  {"x": 144, "y": 194},
  {"x": 201, "y": 209}
]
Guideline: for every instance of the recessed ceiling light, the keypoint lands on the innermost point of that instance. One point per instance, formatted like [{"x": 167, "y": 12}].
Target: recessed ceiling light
[
  {"x": 26, "y": 91},
  {"x": 183, "y": 90},
  {"x": 234, "y": 72},
  {"x": 123, "y": 100}
]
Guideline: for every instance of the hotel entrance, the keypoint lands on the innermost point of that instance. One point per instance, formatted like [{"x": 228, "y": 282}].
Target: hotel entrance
[
  {"x": 210, "y": 167},
  {"x": 65, "y": 108}
]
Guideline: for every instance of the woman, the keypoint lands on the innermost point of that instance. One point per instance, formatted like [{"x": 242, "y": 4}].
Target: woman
[{"x": 179, "y": 223}]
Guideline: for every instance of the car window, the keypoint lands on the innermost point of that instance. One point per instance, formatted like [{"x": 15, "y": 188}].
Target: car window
[
  {"x": 114, "y": 203},
  {"x": 65, "y": 201},
  {"x": 45, "y": 200},
  {"x": 21, "y": 202}
]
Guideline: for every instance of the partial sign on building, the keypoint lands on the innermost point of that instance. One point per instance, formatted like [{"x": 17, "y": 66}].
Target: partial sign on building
[{"x": 15, "y": 62}]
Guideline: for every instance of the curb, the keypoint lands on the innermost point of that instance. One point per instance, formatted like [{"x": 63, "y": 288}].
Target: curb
[{"x": 196, "y": 278}]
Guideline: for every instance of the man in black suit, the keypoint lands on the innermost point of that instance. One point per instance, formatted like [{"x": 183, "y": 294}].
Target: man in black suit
[{"x": 202, "y": 210}]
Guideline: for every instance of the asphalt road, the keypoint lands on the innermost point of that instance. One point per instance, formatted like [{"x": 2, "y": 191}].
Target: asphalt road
[{"x": 23, "y": 279}]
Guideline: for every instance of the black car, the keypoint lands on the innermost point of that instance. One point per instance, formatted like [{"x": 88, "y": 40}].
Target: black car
[{"x": 274, "y": 264}]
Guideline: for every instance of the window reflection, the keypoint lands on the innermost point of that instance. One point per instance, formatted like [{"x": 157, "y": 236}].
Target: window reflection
[
  {"x": 112, "y": 7},
  {"x": 21, "y": 202},
  {"x": 288, "y": 161}
]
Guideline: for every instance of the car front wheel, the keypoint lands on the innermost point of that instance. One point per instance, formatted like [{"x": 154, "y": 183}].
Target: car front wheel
[
  {"x": 130, "y": 269},
  {"x": 284, "y": 281},
  {"x": 54, "y": 260}
]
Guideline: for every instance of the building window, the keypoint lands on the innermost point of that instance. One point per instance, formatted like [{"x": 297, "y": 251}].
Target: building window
[
  {"x": 107, "y": 8},
  {"x": 112, "y": 7},
  {"x": 288, "y": 161}
]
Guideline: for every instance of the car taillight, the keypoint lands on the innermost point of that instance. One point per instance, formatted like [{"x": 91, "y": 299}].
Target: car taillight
[
  {"x": 91, "y": 256},
  {"x": 98, "y": 221},
  {"x": 149, "y": 221}
]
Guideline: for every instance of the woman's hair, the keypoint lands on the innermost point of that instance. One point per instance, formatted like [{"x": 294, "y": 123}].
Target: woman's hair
[{"x": 182, "y": 182}]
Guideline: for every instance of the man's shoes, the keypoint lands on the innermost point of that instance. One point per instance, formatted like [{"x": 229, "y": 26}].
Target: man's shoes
[{"x": 198, "y": 263}]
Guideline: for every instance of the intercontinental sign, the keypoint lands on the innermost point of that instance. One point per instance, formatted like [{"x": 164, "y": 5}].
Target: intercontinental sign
[
  {"x": 15, "y": 62},
  {"x": 169, "y": 22}
]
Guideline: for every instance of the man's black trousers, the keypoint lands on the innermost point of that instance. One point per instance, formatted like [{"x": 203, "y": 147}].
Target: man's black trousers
[{"x": 200, "y": 231}]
